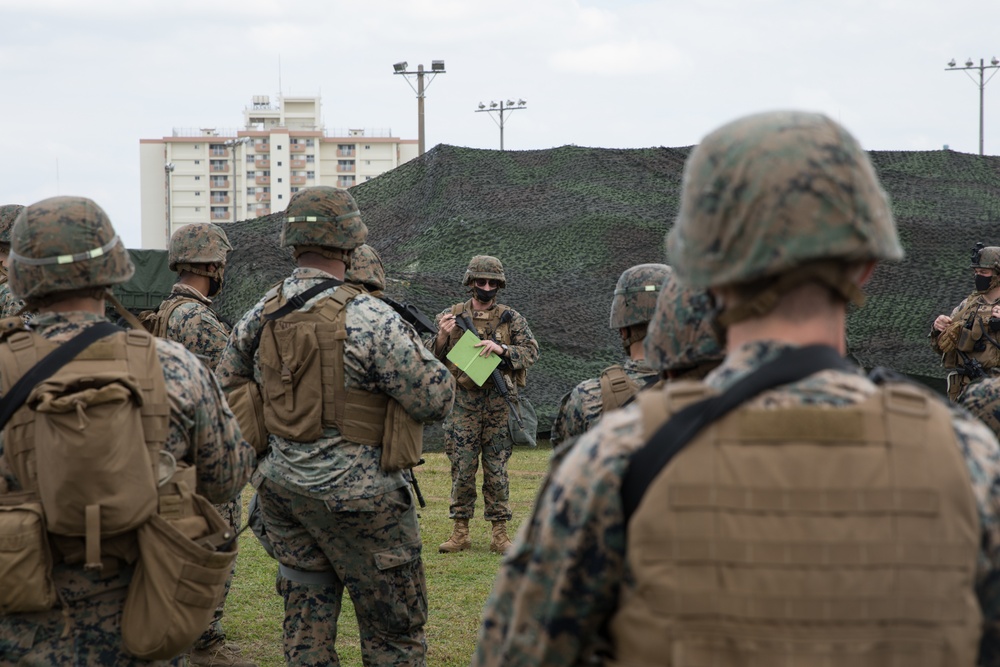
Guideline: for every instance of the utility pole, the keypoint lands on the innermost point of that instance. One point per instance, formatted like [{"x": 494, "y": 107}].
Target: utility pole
[
  {"x": 168, "y": 169},
  {"x": 500, "y": 110},
  {"x": 232, "y": 144},
  {"x": 982, "y": 67},
  {"x": 437, "y": 67}
]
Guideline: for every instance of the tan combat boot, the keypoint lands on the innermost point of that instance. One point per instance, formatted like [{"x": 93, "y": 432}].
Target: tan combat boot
[
  {"x": 459, "y": 540},
  {"x": 500, "y": 543}
]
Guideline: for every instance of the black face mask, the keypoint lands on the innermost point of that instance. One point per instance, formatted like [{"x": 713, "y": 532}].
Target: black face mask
[
  {"x": 214, "y": 286},
  {"x": 485, "y": 295},
  {"x": 983, "y": 283}
]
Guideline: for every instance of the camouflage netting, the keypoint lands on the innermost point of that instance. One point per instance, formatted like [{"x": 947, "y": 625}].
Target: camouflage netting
[{"x": 567, "y": 221}]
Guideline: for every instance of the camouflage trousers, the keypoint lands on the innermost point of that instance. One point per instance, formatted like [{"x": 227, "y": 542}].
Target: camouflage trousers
[
  {"x": 371, "y": 547},
  {"x": 477, "y": 427},
  {"x": 83, "y": 633},
  {"x": 232, "y": 513}
]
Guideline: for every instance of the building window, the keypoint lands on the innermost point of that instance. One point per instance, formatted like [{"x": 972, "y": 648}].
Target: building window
[
  {"x": 279, "y": 180},
  {"x": 310, "y": 142},
  {"x": 368, "y": 162},
  {"x": 197, "y": 178},
  {"x": 279, "y": 163},
  {"x": 368, "y": 147},
  {"x": 345, "y": 181},
  {"x": 251, "y": 191},
  {"x": 197, "y": 193},
  {"x": 220, "y": 213},
  {"x": 294, "y": 190},
  {"x": 310, "y": 158},
  {"x": 251, "y": 174},
  {"x": 197, "y": 161},
  {"x": 310, "y": 174},
  {"x": 280, "y": 196},
  {"x": 250, "y": 157},
  {"x": 218, "y": 181}
]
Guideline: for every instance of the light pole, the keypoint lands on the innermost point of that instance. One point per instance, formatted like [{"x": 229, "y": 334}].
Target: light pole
[
  {"x": 232, "y": 144},
  {"x": 500, "y": 110},
  {"x": 437, "y": 67},
  {"x": 969, "y": 65},
  {"x": 168, "y": 169}
]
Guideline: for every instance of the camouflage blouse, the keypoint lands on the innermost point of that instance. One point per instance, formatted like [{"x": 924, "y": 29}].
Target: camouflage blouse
[
  {"x": 583, "y": 406},
  {"x": 560, "y": 583},
  {"x": 382, "y": 354}
]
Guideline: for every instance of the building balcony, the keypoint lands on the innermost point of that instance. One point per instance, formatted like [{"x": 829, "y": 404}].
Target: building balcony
[
  {"x": 220, "y": 215},
  {"x": 220, "y": 185},
  {"x": 219, "y": 152},
  {"x": 298, "y": 180},
  {"x": 263, "y": 210},
  {"x": 219, "y": 169},
  {"x": 348, "y": 153},
  {"x": 262, "y": 163},
  {"x": 262, "y": 147},
  {"x": 297, "y": 148},
  {"x": 220, "y": 199},
  {"x": 262, "y": 180},
  {"x": 298, "y": 164},
  {"x": 344, "y": 169},
  {"x": 263, "y": 196}
]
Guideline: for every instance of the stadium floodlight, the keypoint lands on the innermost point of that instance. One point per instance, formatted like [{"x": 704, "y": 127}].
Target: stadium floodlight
[
  {"x": 982, "y": 67},
  {"x": 437, "y": 67},
  {"x": 500, "y": 110}
]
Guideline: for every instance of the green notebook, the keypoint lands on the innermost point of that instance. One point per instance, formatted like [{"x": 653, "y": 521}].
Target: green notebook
[{"x": 466, "y": 357}]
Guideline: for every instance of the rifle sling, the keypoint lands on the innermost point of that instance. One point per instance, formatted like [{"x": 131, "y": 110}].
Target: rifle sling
[
  {"x": 49, "y": 365},
  {"x": 646, "y": 463},
  {"x": 294, "y": 303}
]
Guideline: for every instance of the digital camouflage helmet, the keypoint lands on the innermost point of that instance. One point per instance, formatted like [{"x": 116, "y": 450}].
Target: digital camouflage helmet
[
  {"x": 199, "y": 243},
  {"x": 986, "y": 257},
  {"x": 8, "y": 213},
  {"x": 62, "y": 244},
  {"x": 786, "y": 195},
  {"x": 682, "y": 333},
  {"x": 635, "y": 294},
  {"x": 485, "y": 267},
  {"x": 366, "y": 269},
  {"x": 323, "y": 219}
]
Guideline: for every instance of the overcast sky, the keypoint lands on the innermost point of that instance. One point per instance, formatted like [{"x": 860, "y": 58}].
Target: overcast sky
[{"x": 84, "y": 81}]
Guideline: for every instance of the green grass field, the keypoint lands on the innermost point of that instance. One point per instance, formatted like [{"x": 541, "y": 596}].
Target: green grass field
[{"x": 457, "y": 584}]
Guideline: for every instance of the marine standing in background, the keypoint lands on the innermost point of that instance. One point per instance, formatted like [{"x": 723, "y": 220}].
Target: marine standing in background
[
  {"x": 333, "y": 364},
  {"x": 805, "y": 514},
  {"x": 65, "y": 257},
  {"x": 969, "y": 338},
  {"x": 198, "y": 255},
  {"x": 631, "y": 309},
  {"x": 8, "y": 304},
  {"x": 683, "y": 341},
  {"x": 477, "y": 426}
]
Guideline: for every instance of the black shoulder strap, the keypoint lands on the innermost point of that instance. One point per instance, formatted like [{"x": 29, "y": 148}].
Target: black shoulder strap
[
  {"x": 49, "y": 365},
  {"x": 295, "y": 303},
  {"x": 647, "y": 462}
]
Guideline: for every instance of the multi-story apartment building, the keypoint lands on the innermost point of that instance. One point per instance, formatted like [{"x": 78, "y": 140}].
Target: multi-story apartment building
[{"x": 212, "y": 175}]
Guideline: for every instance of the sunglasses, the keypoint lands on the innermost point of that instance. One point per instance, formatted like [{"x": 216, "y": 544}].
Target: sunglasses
[{"x": 483, "y": 282}]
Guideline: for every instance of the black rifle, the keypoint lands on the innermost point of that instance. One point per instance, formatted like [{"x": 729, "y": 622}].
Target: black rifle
[
  {"x": 465, "y": 323},
  {"x": 971, "y": 368},
  {"x": 410, "y": 313},
  {"x": 416, "y": 487}
]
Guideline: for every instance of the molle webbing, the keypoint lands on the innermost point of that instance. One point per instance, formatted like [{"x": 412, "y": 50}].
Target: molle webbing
[
  {"x": 358, "y": 415},
  {"x": 617, "y": 387},
  {"x": 845, "y": 533}
]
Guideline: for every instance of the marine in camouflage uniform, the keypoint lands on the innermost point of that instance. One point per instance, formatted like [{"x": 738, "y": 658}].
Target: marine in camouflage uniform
[
  {"x": 631, "y": 309},
  {"x": 683, "y": 341},
  {"x": 478, "y": 426},
  {"x": 198, "y": 254},
  {"x": 366, "y": 270},
  {"x": 8, "y": 304},
  {"x": 335, "y": 518},
  {"x": 767, "y": 201},
  {"x": 969, "y": 339},
  {"x": 84, "y": 627}
]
